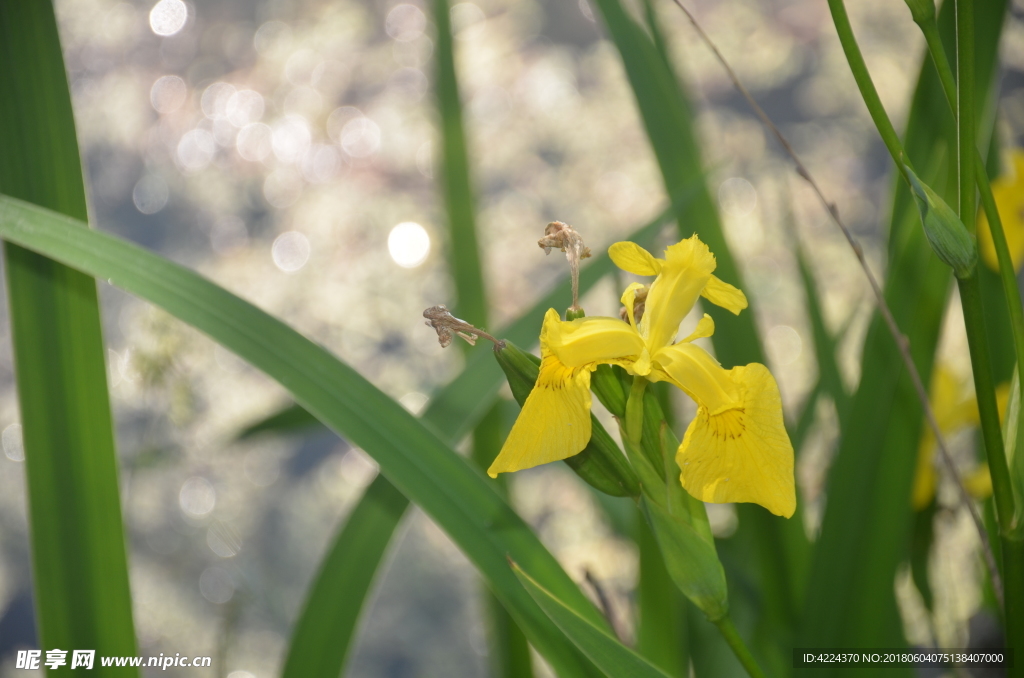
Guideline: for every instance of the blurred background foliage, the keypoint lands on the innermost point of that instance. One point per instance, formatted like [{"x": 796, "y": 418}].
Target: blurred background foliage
[{"x": 288, "y": 151}]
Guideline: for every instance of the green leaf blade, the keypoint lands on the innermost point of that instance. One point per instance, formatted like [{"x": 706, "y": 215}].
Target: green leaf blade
[
  {"x": 320, "y": 639},
  {"x": 411, "y": 455},
  {"x": 82, "y": 595},
  {"x": 608, "y": 653}
]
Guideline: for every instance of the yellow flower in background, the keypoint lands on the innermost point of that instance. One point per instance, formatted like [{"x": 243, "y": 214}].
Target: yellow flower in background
[
  {"x": 736, "y": 448},
  {"x": 1008, "y": 192},
  {"x": 955, "y": 408}
]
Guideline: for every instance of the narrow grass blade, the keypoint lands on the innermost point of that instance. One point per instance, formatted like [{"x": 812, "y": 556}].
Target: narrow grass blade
[
  {"x": 80, "y": 569},
  {"x": 319, "y": 645},
  {"x": 411, "y": 455},
  {"x": 509, "y": 652},
  {"x": 824, "y": 343},
  {"x": 607, "y": 652},
  {"x": 464, "y": 257},
  {"x": 289, "y": 419},
  {"x": 866, "y": 527}
]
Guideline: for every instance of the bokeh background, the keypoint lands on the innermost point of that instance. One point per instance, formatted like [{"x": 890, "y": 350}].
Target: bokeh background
[{"x": 285, "y": 150}]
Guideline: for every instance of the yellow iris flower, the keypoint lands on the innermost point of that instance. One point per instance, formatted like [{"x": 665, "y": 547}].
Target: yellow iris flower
[
  {"x": 1008, "y": 192},
  {"x": 955, "y": 408},
  {"x": 736, "y": 448}
]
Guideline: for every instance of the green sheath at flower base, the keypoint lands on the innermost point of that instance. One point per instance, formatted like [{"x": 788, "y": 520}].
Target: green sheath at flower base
[
  {"x": 946, "y": 233},
  {"x": 923, "y": 11},
  {"x": 575, "y": 313},
  {"x": 691, "y": 559},
  {"x": 601, "y": 465}
]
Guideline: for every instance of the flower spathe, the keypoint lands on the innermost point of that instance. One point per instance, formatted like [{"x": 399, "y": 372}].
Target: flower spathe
[{"x": 736, "y": 448}]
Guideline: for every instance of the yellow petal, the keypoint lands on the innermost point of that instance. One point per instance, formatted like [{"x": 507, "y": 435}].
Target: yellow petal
[
  {"x": 978, "y": 483},
  {"x": 1002, "y": 401},
  {"x": 634, "y": 259},
  {"x": 925, "y": 477},
  {"x": 628, "y": 300},
  {"x": 1008, "y": 191},
  {"x": 692, "y": 369},
  {"x": 588, "y": 340},
  {"x": 685, "y": 273},
  {"x": 741, "y": 454},
  {"x": 705, "y": 328},
  {"x": 725, "y": 295},
  {"x": 554, "y": 422},
  {"x": 952, "y": 401}
]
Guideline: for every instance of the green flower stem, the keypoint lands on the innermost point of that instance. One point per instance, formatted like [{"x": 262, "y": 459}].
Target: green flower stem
[
  {"x": 970, "y": 293},
  {"x": 930, "y": 29},
  {"x": 635, "y": 410},
  {"x": 984, "y": 385},
  {"x": 725, "y": 626},
  {"x": 1013, "y": 562},
  {"x": 866, "y": 86},
  {"x": 965, "y": 123}
]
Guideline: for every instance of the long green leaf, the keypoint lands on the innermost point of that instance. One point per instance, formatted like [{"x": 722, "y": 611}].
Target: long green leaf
[
  {"x": 80, "y": 568},
  {"x": 411, "y": 455},
  {"x": 319, "y": 644},
  {"x": 824, "y": 343},
  {"x": 864, "y": 536},
  {"x": 509, "y": 652},
  {"x": 457, "y": 190},
  {"x": 615, "y": 659}
]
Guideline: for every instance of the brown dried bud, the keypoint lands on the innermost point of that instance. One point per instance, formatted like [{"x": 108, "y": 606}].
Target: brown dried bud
[
  {"x": 444, "y": 323},
  {"x": 567, "y": 239},
  {"x": 639, "y": 305}
]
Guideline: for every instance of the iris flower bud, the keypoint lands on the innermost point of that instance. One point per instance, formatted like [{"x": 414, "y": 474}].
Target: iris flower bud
[{"x": 947, "y": 235}]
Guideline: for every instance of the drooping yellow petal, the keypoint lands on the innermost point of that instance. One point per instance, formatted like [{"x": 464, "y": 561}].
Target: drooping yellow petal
[
  {"x": 725, "y": 295},
  {"x": 705, "y": 328},
  {"x": 1008, "y": 192},
  {"x": 692, "y": 369},
  {"x": 741, "y": 454},
  {"x": 634, "y": 259},
  {"x": 590, "y": 340},
  {"x": 684, "y": 274},
  {"x": 554, "y": 422}
]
